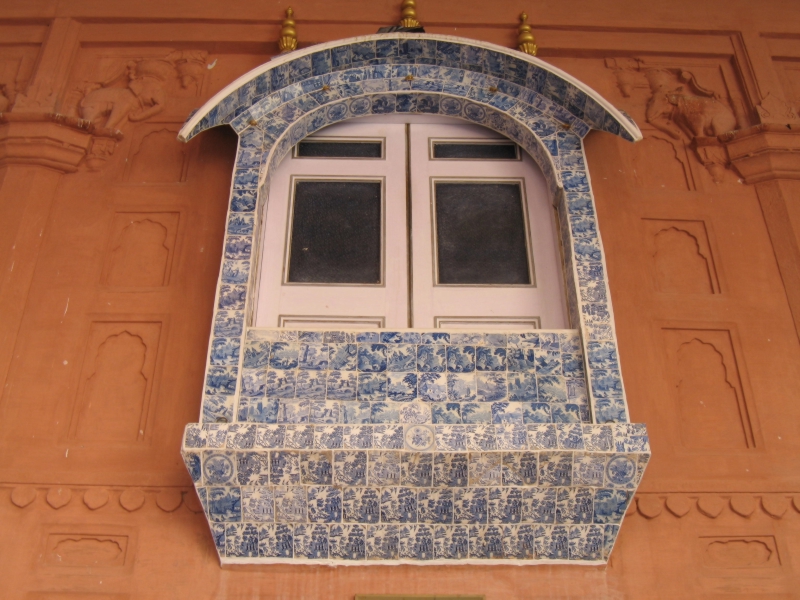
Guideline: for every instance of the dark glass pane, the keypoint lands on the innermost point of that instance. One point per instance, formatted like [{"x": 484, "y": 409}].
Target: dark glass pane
[
  {"x": 336, "y": 149},
  {"x": 470, "y": 150},
  {"x": 336, "y": 232},
  {"x": 480, "y": 234}
]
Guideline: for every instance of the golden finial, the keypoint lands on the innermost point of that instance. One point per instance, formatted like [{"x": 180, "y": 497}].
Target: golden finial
[
  {"x": 288, "y": 40},
  {"x": 525, "y": 40},
  {"x": 409, "y": 14}
]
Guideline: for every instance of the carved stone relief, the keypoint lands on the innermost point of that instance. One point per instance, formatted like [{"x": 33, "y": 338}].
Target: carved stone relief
[
  {"x": 682, "y": 260},
  {"x": 81, "y": 550},
  {"x": 141, "y": 249},
  {"x": 678, "y": 105},
  {"x": 116, "y": 382},
  {"x": 711, "y": 408},
  {"x": 739, "y": 552}
]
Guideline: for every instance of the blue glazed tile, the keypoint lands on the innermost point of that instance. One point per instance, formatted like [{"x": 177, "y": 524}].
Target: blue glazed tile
[
  {"x": 398, "y": 505},
  {"x": 383, "y": 542},
  {"x": 519, "y": 542},
  {"x": 553, "y": 544},
  {"x": 311, "y": 357},
  {"x": 324, "y": 504},
  {"x": 384, "y": 104},
  {"x": 275, "y": 541},
  {"x": 548, "y": 362},
  {"x": 451, "y": 542},
  {"x": 417, "y": 469},
  {"x": 217, "y": 409},
  {"x": 519, "y": 468},
  {"x": 542, "y": 436},
  {"x": 224, "y": 504},
  {"x": 536, "y": 412},
  {"x": 460, "y": 359},
  {"x": 329, "y": 437},
  {"x": 446, "y": 412},
  {"x": 359, "y": 106},
  {"x": 431, "y": 358},
  {"x": 401, "y": 357},
  {"x": 436, "y": 337},
  {"x": 371, "y": 357},
  {"x": 228, "y": 323},
  {"x": 388, "y": 437},
  {"x": 356, "y": 413},
  {"x": 481, "y": 438},
  {"x": 461, "y": 387},
  {"x": 339, "y": 337},
  {"x": 281, "y": 383},
  {"x": 585, "y": 542},
  {"x": 386, "y": 48},
  {"x": 401, "y": 387},
  {"x": 350, "y": 468},
  {"x": 522, "y": 386},
  {"x": 221, "y": 381},
  {"x": 602, "y": 355},
  {"x": 589, "y": 469},
  {"x": 433, "y": 387},
  {"x": 470, "y": 506},
  {"x": 491, "y": 387},
  {"x": 406, "y": 103},
  {"x": 521, "y": 359},
  {"x": 574, "y": 506},
  {"x": 606, "y": 383},
  {"x": 555, "y": 469},
  {"x": 311, "y": 541},
  {"x": 610, "y": 505},
  {"x": 342, "y": 385},
  {"x": 336, "y": 112},
  {"x": 360, "y": 505},
  {"x": 476, "y": 412},
  {"x": 507, "y": 412},
  {"x": 485, "y": 542},
  {"x": 372, "y": 386},
  {"x": 347, "y": 542},
  {"x": 270, "y": 436},
  {"x": 310, "y": 385},
  {"x": 384, "y": 412},
  {"x": 505, "y": 505},
  {"x": 321, "y": 412},
  {"x": 235, "y": 271},
  {"x": 284, "y": 355},
  {"x": 435, "y": 506},
  {"x": 294, "y": 411},
  {"x": 539, "y": 505},
  {"x": 241, "y": 540},
  {"x": 225, "y": 351},
  {"x": 511, "y": 436},
  {"x": 621, "y": 471},
  {"x": 232, "y": 297},
  {"x": 284, "y": 467},
  {"x": 340, "y": 57},
  {"x": 219, "y": 467},
  {"x": 416, "y": 542},
  {"x": 321, "y": 62},
  {"x": 258, "y": 504},
  {"x": 566, "y": 413},
  {"x": 489, "y": 358},
  {"x": 291, "y": 505},
  {"x": 484, "y": 468},
  {"x": 570, "y": 436},
  {"x": 552, "y": 388},
  {"x": 450, "y": 469},
  {"x": 572, "y": 365}
]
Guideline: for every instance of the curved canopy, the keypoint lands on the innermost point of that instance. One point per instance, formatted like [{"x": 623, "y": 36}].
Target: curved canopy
[{"x": 479, "y": 72}]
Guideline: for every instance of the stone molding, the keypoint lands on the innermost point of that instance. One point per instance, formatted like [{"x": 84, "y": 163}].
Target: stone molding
[
  {"x": 42, "y": 139},
  {"x": 655, "y": 504},
  {"x": 94, "y": 498},
  {"x": 765, "y": 152}
]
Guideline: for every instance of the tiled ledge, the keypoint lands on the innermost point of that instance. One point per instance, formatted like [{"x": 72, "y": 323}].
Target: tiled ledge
[{"x": 351, "y": 494}]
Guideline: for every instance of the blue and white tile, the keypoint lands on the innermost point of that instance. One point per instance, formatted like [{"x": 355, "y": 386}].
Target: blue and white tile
[
  {"x": 324, "y": 504},
  {"x": 224, "y": 504},
  {"x": 342, "y": 385},
  {"x": 484, "y": 469},
  {"x": 276, "y": 541},
  {"x": 372, "y": 357},
  {"x": 433, "y": 387},
  {"x": 574, "y": 506},
  {"x": 388, "y": 437},
  {"x": 347, "y": 542},
  {"x": 518, "y": 542},
  {"x": 372, "y": 386},
  {"x": 476, "y": 413},
  {"x": 461, "y": 387},
  {"x": 451, "y": 438},
  {"x": 258, "y": 504},
  {"x": 511, "y": 436},
  {"x": 470, "y": 506},
  {"x": 491, "y": 387},
  {"x": 417, "y": 469},
  {"x": 485, "y": 542},
  {"x": 460, "y": 359},
  {"x": 357, "y": 437},
  {"x": 435, "y": 506},
  {"x": 350, "y": 468},
  {"x": 450, "y": 469},
  {"x": 360, "y": 505},
  {"x": 419, "y": 438},
  {"x": 555, "y": 469},
  {"x": 294, "y": 411},
  {"x": 356, "y": 413},
  {"x": 446, "y": 412},
  {"x": 451, "y": 542},
  {"x": 415, "y": 413},
  {"x": 343, "y": 357},
  {"x": 401, "y": 386},
  {"x": 328, "y": 437},
  {"x": 299, "y": 437},
  {"x": 311, "y": 541},
  {"x": 481, "y": 438}
]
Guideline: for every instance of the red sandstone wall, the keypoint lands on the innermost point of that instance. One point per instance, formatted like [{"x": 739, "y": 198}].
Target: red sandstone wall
[{"x": 110, "y": 246}]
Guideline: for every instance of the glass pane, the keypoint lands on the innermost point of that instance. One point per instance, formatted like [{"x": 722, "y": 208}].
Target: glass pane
[
  {"x": 475, "y": 150},
  {"x": 336, "y": 232},
  {"x": 480, "y": 234},
  {"x": 339, "y": 149}
]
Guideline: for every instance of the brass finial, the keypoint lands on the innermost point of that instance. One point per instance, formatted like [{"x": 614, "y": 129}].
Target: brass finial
[
  {"x": 409, "y": 14},
  {"x": 525, "y": 40},
  {"x": 288, "y": 40}
]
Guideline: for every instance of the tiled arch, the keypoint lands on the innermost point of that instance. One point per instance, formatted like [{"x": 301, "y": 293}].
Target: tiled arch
[{"x": 544, "y": 110}]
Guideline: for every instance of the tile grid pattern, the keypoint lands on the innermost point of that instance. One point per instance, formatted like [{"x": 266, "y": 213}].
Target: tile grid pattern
[
  {"x": 397, "y": 392},
  {"x": 345, "y": 494}
]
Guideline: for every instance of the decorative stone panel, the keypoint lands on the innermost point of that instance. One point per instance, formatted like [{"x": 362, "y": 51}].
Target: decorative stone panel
[{"x": 414, "y": 446}]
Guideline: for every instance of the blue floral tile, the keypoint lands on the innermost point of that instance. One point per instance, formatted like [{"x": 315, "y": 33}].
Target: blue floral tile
[
  {"x": 574, "y": 506},
  {"x": 258, "y": 504},
  {"x": 460, "y": 359},
  {"x": 511, "y": 436},
  {"x": 357, "y": 437},
  {"x": 416, "y": 413},
  {"x": 219, "y": 468},
  {"x": 431, "y": 358},
  {"x": 270, "y": 436},
  {"x": 327, "y": 437},
  {"x": 350, "y": 468},
  {"x": 420, "y": 438},
  {"x": 284, "y": 467},
  {"x": 388, "y": 437},
  {"x": 621, "y": 472},
  {"x": 276, "y": 541},
  {"x": 398, "y": 505}
]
